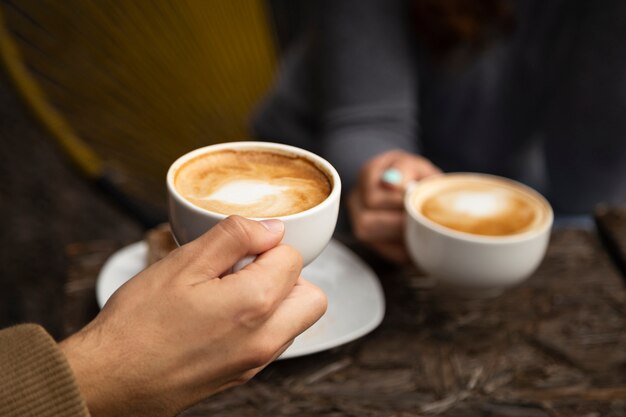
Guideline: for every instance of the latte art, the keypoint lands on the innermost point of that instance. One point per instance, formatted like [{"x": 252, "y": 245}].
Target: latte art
[
  {"x": 252, "y": 183},
  {"x": 244, "y": 192},
  {"x": 482, "y": 206}
]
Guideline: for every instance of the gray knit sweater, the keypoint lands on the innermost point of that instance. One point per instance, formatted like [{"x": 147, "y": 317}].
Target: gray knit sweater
[{"x": 545, "y": 105}]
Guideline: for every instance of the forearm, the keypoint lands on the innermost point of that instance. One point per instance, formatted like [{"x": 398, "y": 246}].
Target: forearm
[
  {"x": 368, "y": 82},
  {"x": 349, "y": 149}
]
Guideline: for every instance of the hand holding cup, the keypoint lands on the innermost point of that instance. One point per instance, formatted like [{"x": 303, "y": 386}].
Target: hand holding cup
[
  {"x": 376, "y": 204},
  {"x": 177, "y": 332}
]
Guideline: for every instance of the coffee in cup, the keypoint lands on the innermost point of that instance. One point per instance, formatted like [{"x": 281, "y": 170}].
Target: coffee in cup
[
  {"x": 476, "y": 230},
  {"x": 480, "y": 205},
  {"x": 258, "y": 180},
  {"x": 252, "y": 183}
]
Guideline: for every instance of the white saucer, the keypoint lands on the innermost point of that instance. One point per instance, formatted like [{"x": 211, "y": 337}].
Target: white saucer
[{"x": 356, "y": 304}]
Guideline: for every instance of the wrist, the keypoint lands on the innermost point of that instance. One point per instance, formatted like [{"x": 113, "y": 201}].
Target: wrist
[
  {"x": 82, "y": 355},
  {"x": 111, "y": 380}
]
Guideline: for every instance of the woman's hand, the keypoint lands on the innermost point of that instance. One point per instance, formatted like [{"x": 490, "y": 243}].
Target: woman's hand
[
  {"x": 177, "y": 333},
  {"x": 375, "y": 205}
]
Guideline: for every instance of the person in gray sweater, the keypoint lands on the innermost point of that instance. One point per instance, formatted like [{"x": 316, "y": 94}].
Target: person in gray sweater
[{"x": 543, "y": 103}]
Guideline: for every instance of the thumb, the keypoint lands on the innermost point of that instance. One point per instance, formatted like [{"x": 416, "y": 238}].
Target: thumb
[{"x": 230, "y": 240}]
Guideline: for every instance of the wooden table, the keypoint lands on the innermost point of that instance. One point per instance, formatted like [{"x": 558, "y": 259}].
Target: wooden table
[{"x": 554, "y": 346}]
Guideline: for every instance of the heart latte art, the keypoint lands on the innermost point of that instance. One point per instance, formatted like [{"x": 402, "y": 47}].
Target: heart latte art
[{"x": 252, "y": 183}]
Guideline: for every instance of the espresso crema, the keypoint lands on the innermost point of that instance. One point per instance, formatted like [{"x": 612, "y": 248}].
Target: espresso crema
[
  {"x": 481, "y": 205},
  {"x": 252, "y": 183}
]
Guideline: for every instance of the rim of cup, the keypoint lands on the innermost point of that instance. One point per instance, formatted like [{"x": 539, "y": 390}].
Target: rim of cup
[
  {"x": 475, "y": 238},
  {"x": 320, "y": 162}
]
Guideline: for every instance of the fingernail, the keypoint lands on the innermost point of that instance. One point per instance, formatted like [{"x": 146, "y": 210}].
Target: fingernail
[
  {"x": 392, "y": 176},
  {"x": 273, "y": 225}
]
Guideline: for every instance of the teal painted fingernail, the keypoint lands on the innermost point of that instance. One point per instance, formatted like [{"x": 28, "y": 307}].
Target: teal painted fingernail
[{"x": 392, "y": 176}]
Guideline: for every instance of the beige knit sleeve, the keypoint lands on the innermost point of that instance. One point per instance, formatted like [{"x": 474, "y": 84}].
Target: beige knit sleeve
[{"x": 35, "y": 377}]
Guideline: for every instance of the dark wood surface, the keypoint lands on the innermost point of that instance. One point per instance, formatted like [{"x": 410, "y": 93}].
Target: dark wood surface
[{"x": 554, "y": 346}]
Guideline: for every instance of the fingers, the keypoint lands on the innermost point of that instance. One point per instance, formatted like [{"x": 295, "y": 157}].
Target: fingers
[
  {"x": 374, "y": 225},
  {"x": 371, "y": 172},
  {"x": 411, "y": 168},
  {"x": 304, "y": 305},
  {"x": 384, "y": 179},
  {"x": 382, "y": 230},
  {"x": 383, "y": 198},
  {"x": 263, "y": 284},
  {"x": 230, "y": 240},
  {"x": 376, "y": 206},
  {"x": 271, "y": 325},
  {"x": 373, "y": 195}
]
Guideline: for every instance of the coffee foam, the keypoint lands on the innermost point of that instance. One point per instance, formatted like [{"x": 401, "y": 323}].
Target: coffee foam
[
  {"x": 244, "y": 192},
  {"x": 478, "y": 203},
  {"x": 252, "y": 183},
  {"x": 483, "y": 206}
]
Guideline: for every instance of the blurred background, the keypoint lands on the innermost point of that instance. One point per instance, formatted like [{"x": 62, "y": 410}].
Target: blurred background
[{"x": 45, "y": 205}]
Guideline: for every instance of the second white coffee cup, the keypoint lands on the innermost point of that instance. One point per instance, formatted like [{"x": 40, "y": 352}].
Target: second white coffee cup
[
  {"x": 472, "y": 261},
  {"x": 308, "y": 231}
]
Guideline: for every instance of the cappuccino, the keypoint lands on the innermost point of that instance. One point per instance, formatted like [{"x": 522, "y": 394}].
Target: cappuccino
[
  {"x": 480, "y": 205},
  {"x": 252, "y": 183}
]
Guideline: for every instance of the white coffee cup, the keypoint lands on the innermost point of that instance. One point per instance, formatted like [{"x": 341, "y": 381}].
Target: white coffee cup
[
  {"x": 474, "y": 261},
  {"x": 308, "y": 231}
]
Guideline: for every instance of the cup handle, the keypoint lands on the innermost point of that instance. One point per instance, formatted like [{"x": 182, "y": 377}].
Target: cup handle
[
  {"x": 242, "y": 263},
  {"x": 411, "y": 184}
]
